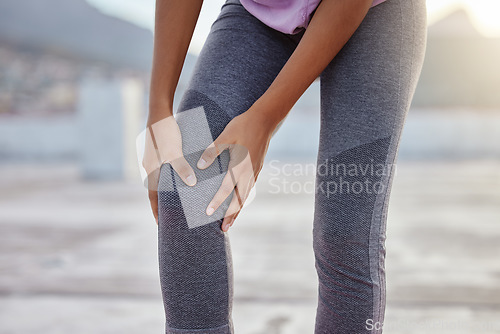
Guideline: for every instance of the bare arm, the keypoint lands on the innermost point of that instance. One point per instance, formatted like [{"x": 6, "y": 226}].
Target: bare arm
[
  {"x": 332, "y": 25},
  {"x": 175, "y": 21},
  {"x": 330, "y": 28}
]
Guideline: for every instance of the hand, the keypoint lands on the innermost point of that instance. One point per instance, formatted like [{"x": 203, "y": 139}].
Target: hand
[
  {"x": 247, "y": 137},
  {"x": 164, "y": 145}
]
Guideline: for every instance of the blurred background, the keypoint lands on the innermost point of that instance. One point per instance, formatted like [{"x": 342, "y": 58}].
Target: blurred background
[{"x": 78, "y": 242}]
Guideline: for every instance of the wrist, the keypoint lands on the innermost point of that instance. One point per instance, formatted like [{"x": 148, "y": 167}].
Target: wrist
[
  {"x": 161, "y": 98},
  {"x": 263, "y": 115},
  {"x": 157, "y": 115},
  {"x": 269, "y": 112}
]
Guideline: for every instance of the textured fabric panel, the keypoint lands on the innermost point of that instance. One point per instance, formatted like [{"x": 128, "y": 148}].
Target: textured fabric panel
[{"x": 196, "y": 137}]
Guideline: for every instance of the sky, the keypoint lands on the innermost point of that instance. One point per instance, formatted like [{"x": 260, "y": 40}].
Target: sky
[{"x": 483, "y": 14}]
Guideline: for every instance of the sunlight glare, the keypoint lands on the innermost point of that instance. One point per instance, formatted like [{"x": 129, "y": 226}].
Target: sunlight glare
[
  {"x": 483, "y": 13},
  {"x": 484, "y": 16}
]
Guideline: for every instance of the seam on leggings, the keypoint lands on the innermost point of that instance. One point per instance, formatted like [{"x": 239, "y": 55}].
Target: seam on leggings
[
  {"x": 376, "y": 312},
  {"x": 231, "y": 14},
  {"x": 229, "y": 266},
  {"x": 215, "y": 330},
  {"x": 230, "y": 29}
]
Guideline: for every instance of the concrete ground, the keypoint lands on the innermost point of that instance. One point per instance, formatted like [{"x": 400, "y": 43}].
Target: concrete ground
[{"x": 80, "y": 257}]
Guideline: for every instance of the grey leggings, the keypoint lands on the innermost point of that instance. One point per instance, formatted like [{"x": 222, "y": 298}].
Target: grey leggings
[{"x": 365, "y": 95}]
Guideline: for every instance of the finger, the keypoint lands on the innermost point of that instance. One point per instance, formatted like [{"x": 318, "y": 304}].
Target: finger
[
  {"x": 240, "y": 157},
  {"x": 225, "y": 189},
  {"x": 153, "y": 199},
  {"x": 234, "y": 173},
  {"x": 241, "y": 193},
  {"x": 228, "y": 222},
  {"x": 152, "y": 179},
  {"x": 184, "y": 170},
  {"x": 246, "y": 188},
  {"x": 211, "y": 153},
  {"x": 232, "y": 211},
  {"x": 236, "y": 203}
]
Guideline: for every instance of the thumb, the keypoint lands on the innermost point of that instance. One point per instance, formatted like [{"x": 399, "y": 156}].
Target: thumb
[{"x": 211, "y": 153}]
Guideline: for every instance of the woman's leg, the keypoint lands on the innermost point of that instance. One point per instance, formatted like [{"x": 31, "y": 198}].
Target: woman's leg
[
  {"x": 238, "y": 62},
  {"x": 365, "y": 95}
]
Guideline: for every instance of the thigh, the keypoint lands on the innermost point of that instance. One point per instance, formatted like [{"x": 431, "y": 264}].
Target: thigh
[
  {"x": 367, "y": 89},
  {"x": 238, "y": 62},
  {"x": 366, "y": 92}
]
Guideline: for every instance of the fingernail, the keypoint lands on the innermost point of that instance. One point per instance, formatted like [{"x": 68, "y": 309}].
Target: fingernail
[
  {"x": 201, "y": 163},
  {"x": 210, "y": 210},
  {"x": 191, "y": 180},
  {"x": 225, "y": 227}
]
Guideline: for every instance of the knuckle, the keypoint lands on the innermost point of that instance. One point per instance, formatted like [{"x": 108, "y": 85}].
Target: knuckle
[
  {"x": 172, "y": 155},
  {"x": 182, "y": 167},
  {"x": 208, "y": 155},
  {"x": 183, "y": 172},
  {"x": 234, "y": 210},
  {"x": 234, "y": 204},
  {"x": 226, "y": 188}
]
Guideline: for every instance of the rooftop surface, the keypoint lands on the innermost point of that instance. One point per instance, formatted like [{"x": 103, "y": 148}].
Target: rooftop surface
[{"x": 80, "y": 257}]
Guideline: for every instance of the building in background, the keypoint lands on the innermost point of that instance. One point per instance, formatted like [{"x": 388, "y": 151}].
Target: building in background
[{"x": 72, "y": 84}]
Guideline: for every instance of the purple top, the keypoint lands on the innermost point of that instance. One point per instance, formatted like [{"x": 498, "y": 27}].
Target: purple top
[{"x": 287, "y": 16}]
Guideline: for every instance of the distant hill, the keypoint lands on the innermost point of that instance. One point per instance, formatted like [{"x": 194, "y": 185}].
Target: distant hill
[
  {"x": 75, "y": 28},
  {"x": 461, "y": 68}
]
